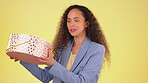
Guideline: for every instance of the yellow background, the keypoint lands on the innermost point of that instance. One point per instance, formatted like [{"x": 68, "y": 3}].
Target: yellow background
[{"x": 124, "y": 22}]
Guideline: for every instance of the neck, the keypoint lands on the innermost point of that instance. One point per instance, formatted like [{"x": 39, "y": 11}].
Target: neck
[{"x": 78, "y": 41}]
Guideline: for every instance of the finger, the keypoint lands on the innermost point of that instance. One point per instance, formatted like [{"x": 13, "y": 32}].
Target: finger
[
  {"x": 15, "y": 60},
  {"x": 11, "y": 57},
  {"x": 40, "y": 60},
  {"x": 48, "y": 52},
  {"x": 43, "y": 58}
]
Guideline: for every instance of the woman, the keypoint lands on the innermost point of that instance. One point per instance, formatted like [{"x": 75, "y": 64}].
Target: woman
[{"x": 79, "y": 50}]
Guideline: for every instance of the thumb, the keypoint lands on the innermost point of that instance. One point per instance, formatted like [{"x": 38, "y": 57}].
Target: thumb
[{"x": 50, "y": 53}]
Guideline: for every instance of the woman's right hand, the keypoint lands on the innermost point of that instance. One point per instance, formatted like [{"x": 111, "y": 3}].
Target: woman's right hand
[{"x": 15, "y": 60}]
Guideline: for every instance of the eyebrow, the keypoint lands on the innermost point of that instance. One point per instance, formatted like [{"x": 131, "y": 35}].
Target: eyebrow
[{"x": 74, "y": 18}]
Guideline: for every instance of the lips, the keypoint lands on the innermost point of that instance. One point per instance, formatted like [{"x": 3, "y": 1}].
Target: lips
[{"x": 73, "y": 30}]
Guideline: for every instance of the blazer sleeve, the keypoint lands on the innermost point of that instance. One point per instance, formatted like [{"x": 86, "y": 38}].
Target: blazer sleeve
[
  {"x": 90, "y": 72},
  {"x": 41, "y": 74}
]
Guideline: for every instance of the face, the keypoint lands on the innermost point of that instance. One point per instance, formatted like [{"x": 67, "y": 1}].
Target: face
[{"x": 76, "y": 23}]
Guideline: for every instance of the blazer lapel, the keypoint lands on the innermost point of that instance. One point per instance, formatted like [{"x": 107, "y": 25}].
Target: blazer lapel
[
  {"x": 81, "y": 53},
  {"x": 66, "y": 54}
]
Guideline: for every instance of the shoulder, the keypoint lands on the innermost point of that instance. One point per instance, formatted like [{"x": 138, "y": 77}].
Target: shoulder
[{"x": 96, "y": 47}]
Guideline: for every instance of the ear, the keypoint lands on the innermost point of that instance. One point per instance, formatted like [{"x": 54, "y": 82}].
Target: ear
[{"x": 87, "y": 24}]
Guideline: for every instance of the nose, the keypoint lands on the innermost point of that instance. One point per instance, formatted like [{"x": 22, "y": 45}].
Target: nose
[{"x": 71, "y": 24}]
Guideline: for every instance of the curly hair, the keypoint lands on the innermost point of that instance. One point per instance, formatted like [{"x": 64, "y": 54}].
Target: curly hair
[{"x": 93, "y": 32}]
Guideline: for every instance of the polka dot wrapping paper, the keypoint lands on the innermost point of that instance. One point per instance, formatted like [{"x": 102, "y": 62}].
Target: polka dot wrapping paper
[{"x": 26, "y": 48}]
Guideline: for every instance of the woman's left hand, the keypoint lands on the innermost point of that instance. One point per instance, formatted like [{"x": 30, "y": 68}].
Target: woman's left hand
[{"x": 49, "y": 61}]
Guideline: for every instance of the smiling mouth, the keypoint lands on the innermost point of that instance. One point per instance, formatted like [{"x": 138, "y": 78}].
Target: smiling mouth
[{"x": 73, "y": 30}]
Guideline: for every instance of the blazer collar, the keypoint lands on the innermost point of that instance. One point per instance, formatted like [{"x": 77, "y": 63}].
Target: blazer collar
[{"x": 80, "y": 55}]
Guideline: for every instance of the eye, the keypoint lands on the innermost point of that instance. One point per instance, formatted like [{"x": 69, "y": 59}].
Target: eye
[
  {"x": 68, "y": 21},
  {"x": 77, "y": 20}
]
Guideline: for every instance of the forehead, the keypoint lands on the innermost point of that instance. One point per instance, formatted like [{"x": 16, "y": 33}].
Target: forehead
[{"x": 74, "y": 13}]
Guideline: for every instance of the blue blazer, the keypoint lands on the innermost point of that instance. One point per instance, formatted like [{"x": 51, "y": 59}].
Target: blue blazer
[{"x": 85, "y": 69}]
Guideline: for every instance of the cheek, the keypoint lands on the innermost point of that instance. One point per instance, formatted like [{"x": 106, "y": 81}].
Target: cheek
[
  {"x": 67, "y": 25},
  {"x": 68, "y": 28},
  {"x": 83, "y": 25}
]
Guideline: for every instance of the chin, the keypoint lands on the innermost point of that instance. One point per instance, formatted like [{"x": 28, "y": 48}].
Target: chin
[{"x": 72, "y": 34}]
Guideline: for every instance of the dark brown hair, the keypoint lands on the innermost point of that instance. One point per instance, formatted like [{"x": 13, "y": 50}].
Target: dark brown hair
[{"x": 93, "y": 32}]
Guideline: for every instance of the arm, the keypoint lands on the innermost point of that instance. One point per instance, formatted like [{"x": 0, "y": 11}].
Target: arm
[{"x": 41, "y": 74}]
